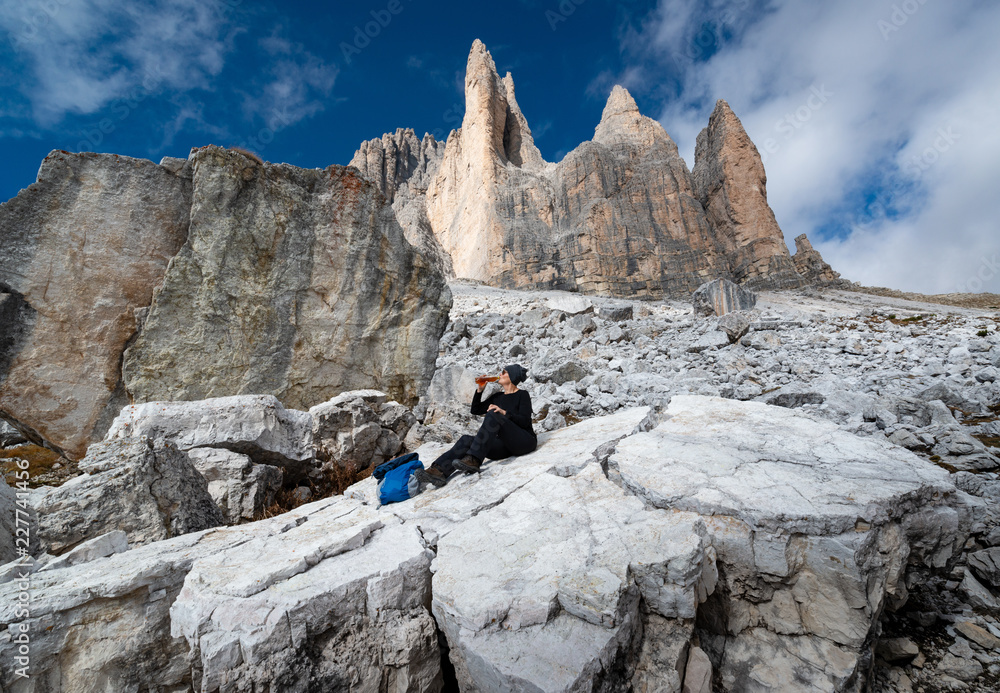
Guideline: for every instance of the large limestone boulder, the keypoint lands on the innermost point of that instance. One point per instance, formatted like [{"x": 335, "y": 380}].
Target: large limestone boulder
[
  {"x": 326, "y": 597},
  {"x": 293, "y": 282},
  {"x": 334, "y": 603},
  {"x": 813, "y": 526},
  {"x": 721, "y": 296},
  {"x": 241, "y": 489},
  {"x": 359, "y": 429},
  {"x": 257, "y": 426},
  {"x": 148, "y": 491},
  {"x": 81, "y": 250}
]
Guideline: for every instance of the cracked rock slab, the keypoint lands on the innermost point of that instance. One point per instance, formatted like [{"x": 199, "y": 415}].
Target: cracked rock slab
[
  {"x": 328, "y": 577},
  {"x": 563, "y": 452},
  {"x": 813, "y": 527},
  {"x": 337, "y": 594},
  {"x": 149, "y": 492},
  {"x": 542, "y": 592}
]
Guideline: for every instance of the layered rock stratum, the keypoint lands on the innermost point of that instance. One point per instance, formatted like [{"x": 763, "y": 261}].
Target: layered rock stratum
[
  {"x": 621, "y": 215},
  {"x": 123, "y": 281}
]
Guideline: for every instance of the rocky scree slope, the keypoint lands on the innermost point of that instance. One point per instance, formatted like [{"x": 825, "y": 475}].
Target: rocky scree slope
[{"x": 921, "y": 376}]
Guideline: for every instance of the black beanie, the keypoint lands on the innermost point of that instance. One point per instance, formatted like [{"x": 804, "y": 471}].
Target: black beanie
[{"x": 516, "y": 373}]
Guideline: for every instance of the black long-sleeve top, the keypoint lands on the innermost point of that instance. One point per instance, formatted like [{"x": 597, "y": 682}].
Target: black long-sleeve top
[{"x": 517, "y": 405}]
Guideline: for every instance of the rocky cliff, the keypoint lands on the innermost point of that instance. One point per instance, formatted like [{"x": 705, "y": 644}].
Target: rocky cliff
[
  {"x": 122, "y": 280},
  {"x": 293, "y": 282},
  {"x": 401, "y": 167},
  {"x": 620, "y": 215}
]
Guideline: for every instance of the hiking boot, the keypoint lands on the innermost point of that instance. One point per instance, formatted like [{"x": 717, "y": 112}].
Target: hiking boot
[
  {"x": 431, "y": 475},
  {"x": 469, "y": 465}
]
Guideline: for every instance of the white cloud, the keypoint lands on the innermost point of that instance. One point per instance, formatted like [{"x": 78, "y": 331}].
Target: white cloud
[
  {"x": 910, "y": 102},
  {"x": 296, "y": 86},
  {"x": 80, "y": 55}
]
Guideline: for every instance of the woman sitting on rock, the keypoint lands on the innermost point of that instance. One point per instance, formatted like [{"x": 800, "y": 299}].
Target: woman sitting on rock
[{"x": 506, "y": 430}]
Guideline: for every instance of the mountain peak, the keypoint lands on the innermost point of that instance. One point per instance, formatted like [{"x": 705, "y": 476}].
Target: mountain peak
[
  {"x": 619, "y": 102},
  {"x": 621, "y": 122}
]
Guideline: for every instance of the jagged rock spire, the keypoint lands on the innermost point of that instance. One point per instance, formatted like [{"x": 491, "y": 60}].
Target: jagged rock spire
[{"x": 730, "y": 183}]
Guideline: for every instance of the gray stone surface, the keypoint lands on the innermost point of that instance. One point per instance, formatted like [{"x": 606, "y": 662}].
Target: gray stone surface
[
  {"x": 986, "y": 565},
  {"x": 297, "y": 283},
  {"x": 241, "y": 489},
  {"x": 326, "y": 595},
  {"x": 813, "y": 518},
  {"x": 554, "y": 608},
  {"x": 254, "y": 425},
  {"x": 149, "y": 492},
  {"x": 735, "y": 325},
  {"x": 356, "y": 430},
  {"x": 10, "y": 436},
  {"x": 115, "y": 541},
  {"x": 81, "y": 249}
]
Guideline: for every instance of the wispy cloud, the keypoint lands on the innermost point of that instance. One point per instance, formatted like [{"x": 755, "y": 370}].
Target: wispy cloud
[
  {"x": 911, "y": 99},
  {"x": 81, "y": 55},
  {"x": 296, "y": 84}
]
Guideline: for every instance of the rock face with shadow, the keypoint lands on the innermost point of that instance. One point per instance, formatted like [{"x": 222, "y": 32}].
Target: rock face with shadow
[
  {"x": 81, "y": 250},
  {"x": 123, "y": 281}
]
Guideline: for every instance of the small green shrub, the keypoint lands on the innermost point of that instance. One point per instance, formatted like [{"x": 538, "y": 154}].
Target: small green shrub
[{"x": 982, "y": 333}]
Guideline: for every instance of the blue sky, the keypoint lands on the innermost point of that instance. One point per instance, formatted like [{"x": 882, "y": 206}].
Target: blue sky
[{"x": 877, "y": 120}]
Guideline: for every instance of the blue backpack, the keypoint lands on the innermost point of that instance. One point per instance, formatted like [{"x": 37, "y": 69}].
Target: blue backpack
[
  {"x": 386, "y": 467},
  {"x": 399, "y": 484}
]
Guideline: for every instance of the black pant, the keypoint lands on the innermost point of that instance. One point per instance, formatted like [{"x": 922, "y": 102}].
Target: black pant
[{"x": 498, "y": 437}]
